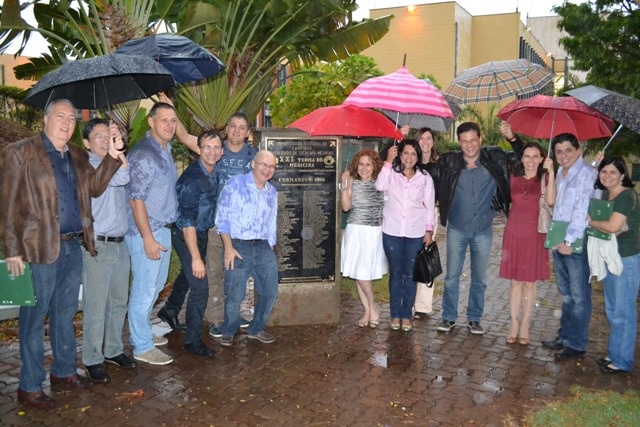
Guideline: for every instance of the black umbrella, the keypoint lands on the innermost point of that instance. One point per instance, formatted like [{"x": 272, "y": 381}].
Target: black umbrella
[
  {"x": 186, "y": 60},
  {"x": 101, "y": 81},
  {"x": 621, "y": 108}
]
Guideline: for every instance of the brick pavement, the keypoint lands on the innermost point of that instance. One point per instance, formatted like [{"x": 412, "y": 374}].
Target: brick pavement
[{"x": 343, "y": 375}]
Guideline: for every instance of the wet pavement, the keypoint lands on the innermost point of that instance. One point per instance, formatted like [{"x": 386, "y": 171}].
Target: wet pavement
[{"x": 342, "y": 375}]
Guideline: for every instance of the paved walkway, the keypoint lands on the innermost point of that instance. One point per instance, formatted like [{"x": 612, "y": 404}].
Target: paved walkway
[{"x": 342, "y": 375}]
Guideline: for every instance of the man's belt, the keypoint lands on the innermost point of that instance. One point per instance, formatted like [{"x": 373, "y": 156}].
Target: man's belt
[
  {"x": 110, "y": 239},
  {"x": 71, "y": 236}
]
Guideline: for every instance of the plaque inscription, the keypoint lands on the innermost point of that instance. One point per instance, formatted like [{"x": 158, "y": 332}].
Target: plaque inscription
[{"x": 305, "y": 180}]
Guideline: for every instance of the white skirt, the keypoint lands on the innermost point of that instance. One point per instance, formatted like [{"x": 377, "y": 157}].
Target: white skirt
[{"x": 362, "y": 256}]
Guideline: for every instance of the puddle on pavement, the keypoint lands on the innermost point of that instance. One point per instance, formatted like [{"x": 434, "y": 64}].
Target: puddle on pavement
[{"x": 380, "y": 358}]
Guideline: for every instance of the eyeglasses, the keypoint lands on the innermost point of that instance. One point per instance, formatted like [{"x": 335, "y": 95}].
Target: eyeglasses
[
  {"x": 100, "y": 137},
  {"x": 210, "y": 148},
  {"x": 266, "y": 166}
]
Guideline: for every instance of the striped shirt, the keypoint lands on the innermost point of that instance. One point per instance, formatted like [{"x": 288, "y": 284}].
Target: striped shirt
[{"x": 366, "y": 204}]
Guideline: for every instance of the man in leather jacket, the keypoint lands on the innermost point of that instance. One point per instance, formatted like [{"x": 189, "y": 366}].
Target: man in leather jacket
[
  {"x": 46, "y": 185},
  {"x": 471, "y": 185}
]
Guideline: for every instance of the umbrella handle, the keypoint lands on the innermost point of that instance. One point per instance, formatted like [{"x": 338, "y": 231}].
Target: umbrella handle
[{"x": 594, "y": 164}]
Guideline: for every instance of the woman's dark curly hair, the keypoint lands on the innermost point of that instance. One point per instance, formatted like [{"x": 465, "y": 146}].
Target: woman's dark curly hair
[{"x": 375, "y": 159}]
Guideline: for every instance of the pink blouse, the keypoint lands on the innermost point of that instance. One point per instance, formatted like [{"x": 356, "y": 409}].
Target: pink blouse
[{"x": 409, "y": 207}]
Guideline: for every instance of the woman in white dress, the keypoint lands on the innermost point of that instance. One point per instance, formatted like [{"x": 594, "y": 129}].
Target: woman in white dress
[{"x": 362, "y": 256}]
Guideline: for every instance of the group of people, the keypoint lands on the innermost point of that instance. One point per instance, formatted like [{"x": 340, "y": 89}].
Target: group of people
[
  {"x": 393, "y": 211},
  {"x": 95, "y": 216}
]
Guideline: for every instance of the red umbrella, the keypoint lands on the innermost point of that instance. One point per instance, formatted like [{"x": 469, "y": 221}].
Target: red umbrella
[
  {"x": 341, "y": 120},
  {"x": 400, "y": 92},
  {"x": 547, "y": 116}
]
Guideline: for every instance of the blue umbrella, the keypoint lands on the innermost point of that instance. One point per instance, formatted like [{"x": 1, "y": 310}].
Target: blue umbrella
[{"x": 186, "y": 60}]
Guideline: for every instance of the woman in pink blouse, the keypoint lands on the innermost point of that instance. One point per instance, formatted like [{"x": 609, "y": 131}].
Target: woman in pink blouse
[{"x": 407, "y": 224}]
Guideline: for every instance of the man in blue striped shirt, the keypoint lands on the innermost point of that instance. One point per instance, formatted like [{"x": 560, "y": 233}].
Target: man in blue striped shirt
[
  {"x": 575, "y": 186},
  {"x": 246, "y": 220}
]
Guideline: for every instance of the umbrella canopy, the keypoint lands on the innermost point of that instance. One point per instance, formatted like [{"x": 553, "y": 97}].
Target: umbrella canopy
[
  {"x": 417, "y": 120},
  {"x": 186, "y": 60},
  {"x": 401, "y": 92},
  {"x": 547, "y": 116},
  {"x": 619, "y": 107},
  {"x": 347, "y": 120},
  {"x": 101, "y": 81},
  {"x": 497, "y": 80}
]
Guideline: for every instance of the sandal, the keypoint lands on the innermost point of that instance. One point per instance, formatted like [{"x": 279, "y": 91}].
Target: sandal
[
  {"x": 418, "y": 315},
  {"x": 511, "y": 340},
  {"x": 373, "y": 323},
  {"x": 363, "y": 321},
  {"x": 611, "y": 369},
  {"x": 523, "y": 341}
]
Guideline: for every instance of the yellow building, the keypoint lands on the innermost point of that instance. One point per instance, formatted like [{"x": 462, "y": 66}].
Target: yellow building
[
  {"x": 7, "y": 76},
  {"x": 443, "y": 39}
]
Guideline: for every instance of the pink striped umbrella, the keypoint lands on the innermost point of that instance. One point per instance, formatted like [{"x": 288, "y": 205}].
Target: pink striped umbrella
[{"x": 403, "y": 94}]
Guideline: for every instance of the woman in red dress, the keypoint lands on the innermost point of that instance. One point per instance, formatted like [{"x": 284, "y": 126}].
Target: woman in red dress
[{"x": 524, "y": 257}]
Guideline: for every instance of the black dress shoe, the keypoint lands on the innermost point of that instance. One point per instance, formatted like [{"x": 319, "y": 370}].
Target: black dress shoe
[
  {"x": 97, "y": 373},
  {"x": 611, "y": 369},
  {"x": 173, "y": 322},
  {"x": 199, "y": 349},
  {"x": 121, "y": 361},
  {"x": 37, "y": 399},
  {"x": 556, "y": 344},
  {"x": 74, "y": 381},
  {"x": 569, "y": 353}
]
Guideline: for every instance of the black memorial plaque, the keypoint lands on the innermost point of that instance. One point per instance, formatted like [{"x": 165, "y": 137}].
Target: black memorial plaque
[{"x": 306, "y": 184}]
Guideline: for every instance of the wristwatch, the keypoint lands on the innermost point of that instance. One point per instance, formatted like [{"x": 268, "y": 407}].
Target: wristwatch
[{"x": 567, "y": 243}]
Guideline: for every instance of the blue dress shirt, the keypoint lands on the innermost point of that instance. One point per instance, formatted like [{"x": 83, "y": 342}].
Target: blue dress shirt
[
  {"x": 110, "y": 209},
  {"x": 572, "y": 199},
  {"x": 197, "y": 193},
  {"x": 153, "y": 179}
]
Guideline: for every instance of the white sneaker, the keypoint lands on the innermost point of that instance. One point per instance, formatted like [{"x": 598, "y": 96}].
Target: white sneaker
[
  {"x": 160, "y": 341},
  {"x": 154, "y": 357}
]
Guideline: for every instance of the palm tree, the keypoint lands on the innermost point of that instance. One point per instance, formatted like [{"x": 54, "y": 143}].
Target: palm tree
[{"x": 252, "y": 37}]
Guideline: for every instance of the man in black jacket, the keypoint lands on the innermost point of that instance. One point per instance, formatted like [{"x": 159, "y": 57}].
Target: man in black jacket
[{"x": 471, "y": 185}]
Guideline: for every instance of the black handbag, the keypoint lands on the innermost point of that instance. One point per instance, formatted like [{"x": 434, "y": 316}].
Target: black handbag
[{"x": 427, "y": 265}]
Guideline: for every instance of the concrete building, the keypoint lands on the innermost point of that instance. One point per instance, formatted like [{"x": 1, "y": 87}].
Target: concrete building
[
  {"x": 443, "y": 39},
  {"x": 7, "y": 75}
]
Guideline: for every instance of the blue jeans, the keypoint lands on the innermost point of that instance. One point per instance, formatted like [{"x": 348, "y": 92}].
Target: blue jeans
[
  {"x": 105, "y": 291},
  {"x": 572, "y": 274},
  {"x": 258, "y": 261},
  {"x": 186, "y": 282},
  {"x": 57, "y": 287},
  {"x": 620, "y": 296},
  {"x": 149, "y": 278},
  {"x": 479, "y": 245},
  {"x": 401, "y": 255}
]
